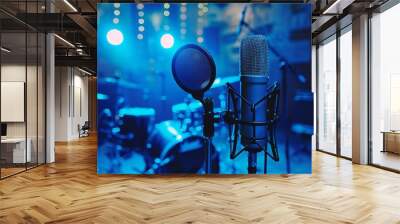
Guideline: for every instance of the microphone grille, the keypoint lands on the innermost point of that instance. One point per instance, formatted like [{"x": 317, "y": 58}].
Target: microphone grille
[{"x": 254, "y": 55}]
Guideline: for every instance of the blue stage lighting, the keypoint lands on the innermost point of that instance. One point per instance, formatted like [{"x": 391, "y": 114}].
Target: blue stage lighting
[
  {"x": 167, "y": 41},
  {"x": 115, "y": 37}
]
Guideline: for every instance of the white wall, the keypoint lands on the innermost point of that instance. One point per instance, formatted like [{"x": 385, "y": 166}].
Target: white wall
[
  {"x": 71, "y": 94},
  {"x": 61, "y": 103},
  {"x": 79, "y": 117},
  {"x": 12, "y": 73},
  {"x": 13, "y": 101},
  {"x": 16, "y": 73}
]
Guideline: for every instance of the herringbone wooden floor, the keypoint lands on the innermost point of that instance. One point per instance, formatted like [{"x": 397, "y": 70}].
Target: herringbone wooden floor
[{"x": 70, "y": 191}]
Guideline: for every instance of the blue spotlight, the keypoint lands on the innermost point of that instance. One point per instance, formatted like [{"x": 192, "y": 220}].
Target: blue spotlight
[
  {"x": 167, "y": 41},
  {"x": 115, "y": 37}
]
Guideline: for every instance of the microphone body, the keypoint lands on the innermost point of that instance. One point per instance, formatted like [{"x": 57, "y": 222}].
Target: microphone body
[{"x": 253, "y": 88}]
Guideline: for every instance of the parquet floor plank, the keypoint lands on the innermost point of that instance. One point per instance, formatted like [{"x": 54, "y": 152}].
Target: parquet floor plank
[{"x": 70, "y": 191}]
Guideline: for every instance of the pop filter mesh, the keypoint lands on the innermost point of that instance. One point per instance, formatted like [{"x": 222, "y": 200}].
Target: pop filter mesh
[{"x": 254, "y": 56}]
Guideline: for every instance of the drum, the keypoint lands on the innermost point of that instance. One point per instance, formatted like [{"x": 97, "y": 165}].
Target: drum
[
  {"x": 189, "y": 115},
  {"x": 196, "y": 110},
  {"x": 134, "y": 125},
  {"x": 181, "y": 113},
  {"x": 174, "y": 151},
  {"x": 116, "y": 159}
]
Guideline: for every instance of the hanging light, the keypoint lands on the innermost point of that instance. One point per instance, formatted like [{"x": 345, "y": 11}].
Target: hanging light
[{"x": 167, "y": 40}]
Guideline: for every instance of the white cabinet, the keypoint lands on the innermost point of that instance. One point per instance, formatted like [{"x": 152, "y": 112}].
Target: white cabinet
[{"x": 16, "y": 147}]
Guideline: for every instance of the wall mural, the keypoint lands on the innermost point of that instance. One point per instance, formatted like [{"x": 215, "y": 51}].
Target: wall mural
[{"x": 204, "y": 88}]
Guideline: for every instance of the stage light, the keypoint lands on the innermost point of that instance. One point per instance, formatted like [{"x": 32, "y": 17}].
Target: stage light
[
  {"x": 167, "y": 41},
  {"x": 115, "y": 37},
  {"x": 140, "y": 6},
  {"x": 117, "y": 5},
  {"x": 166, "y": 13},
  {"x": 140, "y": 36},
  {"x": 117, "y": 12},
  {"x": 141, "y": 28},
  {"x": 115, "y": 20},
  {"x": 200, "y": 40},
  {"x": 140, "y": 13},
  {"x": 140, "y": 21}
]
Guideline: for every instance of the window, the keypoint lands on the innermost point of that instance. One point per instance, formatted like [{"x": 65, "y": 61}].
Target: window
[
  {"x": 22, "y": 77},
  {"x": 346, "y": 92},
  {"x": 327, "y": 96},
  {"x": 385, "y": 89}
]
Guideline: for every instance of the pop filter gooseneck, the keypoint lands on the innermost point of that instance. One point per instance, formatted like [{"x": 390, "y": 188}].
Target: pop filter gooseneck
[{"x": 194, "y": 71}]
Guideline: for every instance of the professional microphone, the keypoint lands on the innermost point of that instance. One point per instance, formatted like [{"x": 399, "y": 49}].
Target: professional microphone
[
  {"x": 242, "y": 20},
  {"x": 253, "y": 88}
]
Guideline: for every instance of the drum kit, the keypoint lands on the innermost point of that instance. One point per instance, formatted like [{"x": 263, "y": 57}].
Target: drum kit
[
  {"x": 175, "y": 151},
  {"x": 131, "y": 142}
]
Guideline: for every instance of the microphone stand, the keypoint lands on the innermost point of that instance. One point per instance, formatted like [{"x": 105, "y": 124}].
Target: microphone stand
[{"x": 208, "y": 127}]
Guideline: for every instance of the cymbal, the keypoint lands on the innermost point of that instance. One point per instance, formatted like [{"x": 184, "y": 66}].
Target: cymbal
[
  {"x": 219, "y": 82},
  {"x": 120, "y": 82}
]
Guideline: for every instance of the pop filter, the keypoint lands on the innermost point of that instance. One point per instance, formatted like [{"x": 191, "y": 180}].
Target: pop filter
[{"x": 193, "y": 70}]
